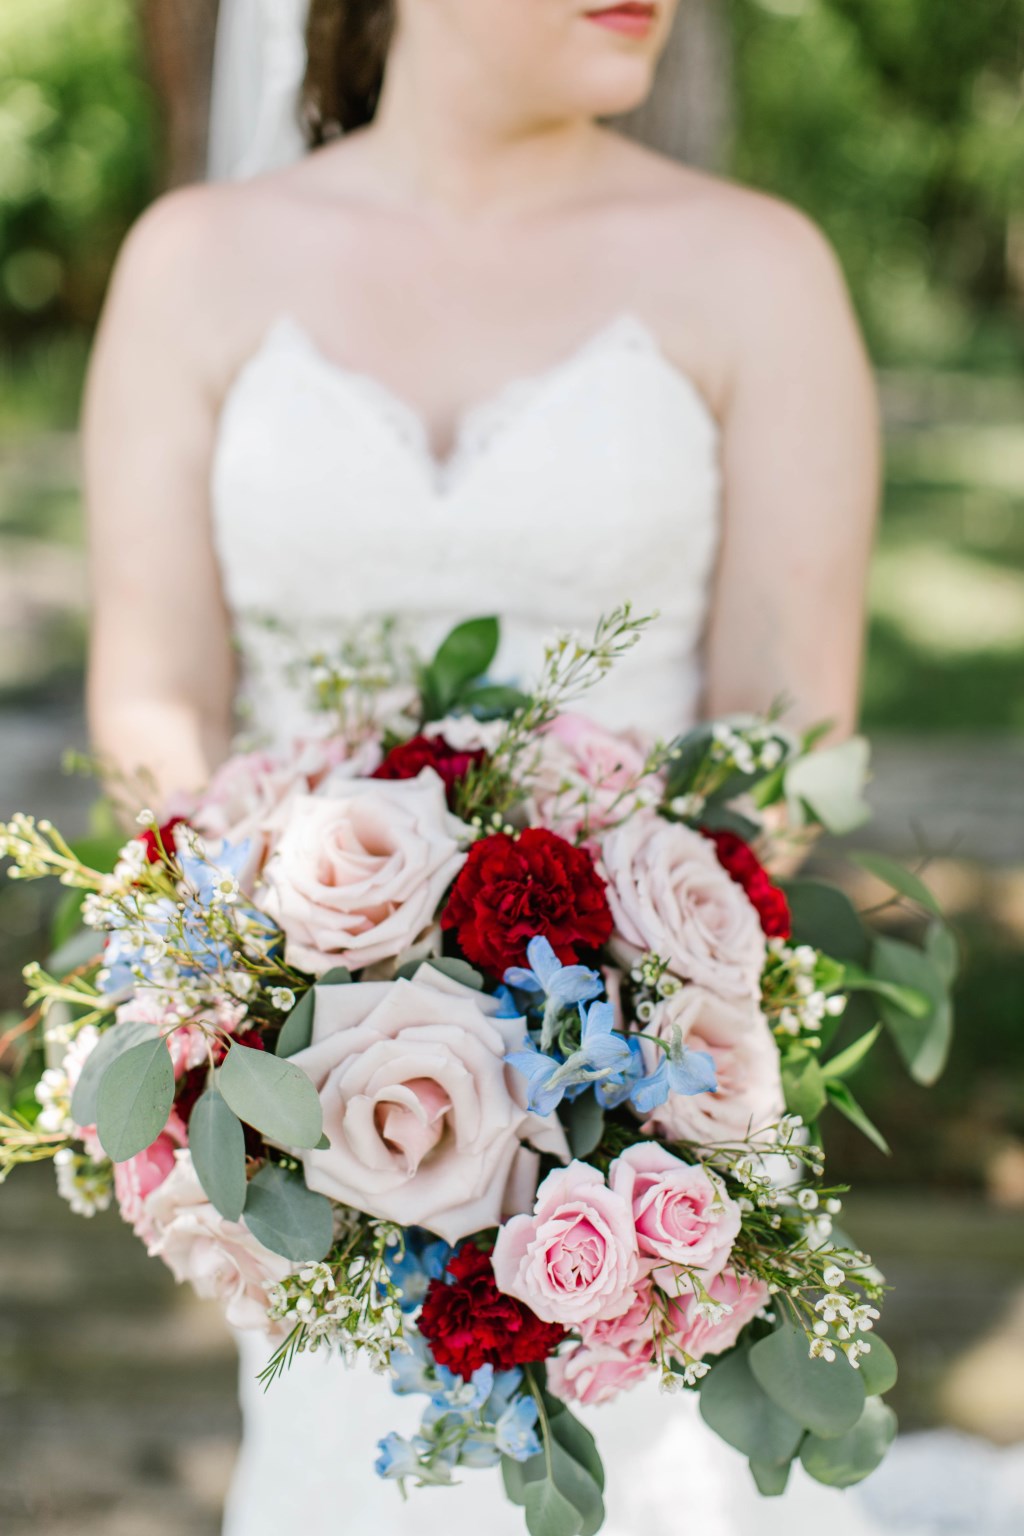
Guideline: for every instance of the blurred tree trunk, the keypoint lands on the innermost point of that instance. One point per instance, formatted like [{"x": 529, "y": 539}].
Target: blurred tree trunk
[
  {"x": 179, "y": 36},
  {"x": 689, "y": 113}
]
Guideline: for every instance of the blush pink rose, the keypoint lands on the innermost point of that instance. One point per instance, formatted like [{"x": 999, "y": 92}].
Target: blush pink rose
[
  {"x": 220, "y": 1259},
  {"x": 426, "y": 1122},
  {"x": 669, "y": 894},
  {"x": 136, "y": 1179},
  {"x": 575, "y": 1258},
  {"x": 692, "y": 1335},
  {"x": 633, "y": 1328},
  {"x": 683, "y": 1216},
  {"x": 591, "y": 1374},
  {"x": 736, "y": 1035},
  {"x": 358, "y": 875},
  {"x": 585, "y": 777}
]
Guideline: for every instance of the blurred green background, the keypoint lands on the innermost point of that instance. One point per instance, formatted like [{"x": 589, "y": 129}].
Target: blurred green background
[{"x": 899, "y": 126}]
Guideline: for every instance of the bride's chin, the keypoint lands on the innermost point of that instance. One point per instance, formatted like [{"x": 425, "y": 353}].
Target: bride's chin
[{"x": 621, "y": 86}]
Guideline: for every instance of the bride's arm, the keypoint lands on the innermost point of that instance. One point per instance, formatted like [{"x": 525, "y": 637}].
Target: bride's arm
[
  {"x": 160, "y": 668},
  {"x": 801, "y": 472}
]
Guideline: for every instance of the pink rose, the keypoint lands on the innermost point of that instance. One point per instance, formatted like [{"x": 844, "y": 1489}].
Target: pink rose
[
  {"x": 587, "y": 777},
  {"x": 575, "y": 1259},
  {"x": 426, "y": 1122},
  {"x": 358, "y": 874},
  {"x": 737, "y": 1037},
  {"x": 221, "y": 1259},
  {"x": 635, "y": 1326},
  {"x": 683, "y": 1217},
  {"x": 135, "y": 1180},
  {"x": 246, "y": 791},
  {"x": 742, "y": 1295},
  {"x": 669, "y": 894},
  {"x": 597, "y": 1373}
]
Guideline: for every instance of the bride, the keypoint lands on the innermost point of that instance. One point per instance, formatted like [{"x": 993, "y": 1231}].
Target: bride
[{"x": 300, "y": 408}]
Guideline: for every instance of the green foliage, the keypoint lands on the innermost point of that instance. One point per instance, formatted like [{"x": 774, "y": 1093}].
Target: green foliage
[
  {"x": 112, "y": 1043},
  {"x": 297, "y": 1030},
  {"x": 735, "y": 1405},
  {"x": 824, "y": 1396},
  {"x": 217, "y": 1143},
  {"x": 896, "y": 124},
  {"x": 461, "y": 660},
  {"x": 76, "y": 155},
  {"x": 843, "y": 1460},
  {"x": 286, "y": 1217},
  {"x": 134, "y": 1100},
  {"x": 271, "y": 1095},
  {"x": 560, "y": 1489}
]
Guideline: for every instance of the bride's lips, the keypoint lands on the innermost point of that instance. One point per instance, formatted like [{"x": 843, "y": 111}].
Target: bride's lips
[{"x": 630, "y": 18}]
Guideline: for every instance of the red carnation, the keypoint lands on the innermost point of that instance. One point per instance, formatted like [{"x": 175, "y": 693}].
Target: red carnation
[
  {"x": 468, "y": 1322},
  {"x": 411, "y": 757},
  {"x": 740, "y": 861},
  {"x": 166, "y": 837},
  {"x": 513, "y": 888}
]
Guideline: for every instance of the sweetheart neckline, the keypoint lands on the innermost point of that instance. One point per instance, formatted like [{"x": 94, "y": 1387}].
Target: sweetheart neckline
[{"x": 483, "y": 421}]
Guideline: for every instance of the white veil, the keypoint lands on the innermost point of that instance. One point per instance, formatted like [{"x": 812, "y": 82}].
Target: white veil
[{"x": 260, "y": 63}]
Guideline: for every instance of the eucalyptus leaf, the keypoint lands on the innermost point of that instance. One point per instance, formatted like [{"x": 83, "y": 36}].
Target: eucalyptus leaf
[
  {"x": 826, "y": 919},
  {"x": 841, "y": 1461},
  {"x": 734, "y": 1405},
  {"x": 584, "y": 1121},
  {"x": 829, "y": 784},
  {"x": 548, "y": 1512},
  {"x": 839, "y": 1094},
  {"x": 457, "y": 970},
  {"x": 274, "y": 1096},
  {"x": 286, "y": 1217},
  {"x": 894, "y": 875},
  {"x": 771, "y": 1479},
  {"x": 825, "y": 1396},
  {"x": 517, "y": 1474},
  {"x": 576, "y": 1439},
  {"x": 297, "y": 1029},
  {"x": 879, "y": 1370},
  {"x": 217, "y": 1144},
  {"x": 113, "y": 1042},
  {"x": 908, "y": 999},
  {"x": 135, "y": 1096},
  {"x": 923, "y": 1042},
  {"x": 942, "y": 950}
]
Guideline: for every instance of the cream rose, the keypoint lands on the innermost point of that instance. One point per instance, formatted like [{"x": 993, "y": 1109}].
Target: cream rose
[
  {"x": 221, "y": 1259},
  {"x": 585, "y": 777},
  {"x": 358, "y": 874},
  {"x": 669, "y": 894},
  {"x": 749, "y": 1097},
  {"x": 426, "y": 1122}
]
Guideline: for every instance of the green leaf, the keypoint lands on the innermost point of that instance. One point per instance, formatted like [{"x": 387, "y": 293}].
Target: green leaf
[
  {"x": 134, "y": 1100},
  {"x": 462, "y": 657},
  {"x": 742, "y": 1414},
  {"x": 113, "y": 1042},
  {"x": 830, "y": 785},
  {"x": 923, "y": 1042},
  {"x": 894, "y": 875},
  {"x": 907, "y": 999},
  {"x": 841, "y": 1461},
  {"x": 217, "y": 1143},
  {"x": 771, "y": 1480},
  {"x": 825, "y": 1396},
  {"x": 67, "y": 921},
  {"x": 845, "y": 1062},
  {"x": 575, "y": 1438},
  {"x": 722, "y": 818},
  {"x": 457, "y": 970},
  {"x": 584, "y": 1120},
  {"x": 548, "y": 1512},
  {"x": 297, "y": 1030},
  {"x": 517, "y": 1474},
  {"x": 99, "y": 852},
  {"x": 879, "y": 1371},
  {"x": 941, "y": 948},
  {"x": 839, "y": 1094},
  {"x": 275, "y": 1097},
  {"x": 803, "y": 1083},
  {"x": 493, "y": 702},
  {"x": 286, "y": 1217},
  {"x": 824, "y": 917}
]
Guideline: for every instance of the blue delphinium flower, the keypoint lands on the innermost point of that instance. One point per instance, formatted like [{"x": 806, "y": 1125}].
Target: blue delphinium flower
[
  {"x": 613, "y": 1091},
  {"x": 680, "y": 1071},
  {"x": 515, "y": 1433},
  {"x": 562, "y": 986},
  {"x": 601, "y": 1055},
  {"x": 398, "y": 1457},
  {"x": 423, "y": 1260}
]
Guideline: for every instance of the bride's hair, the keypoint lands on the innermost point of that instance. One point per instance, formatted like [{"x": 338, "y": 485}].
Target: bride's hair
[{"x": 348, "y": 46}]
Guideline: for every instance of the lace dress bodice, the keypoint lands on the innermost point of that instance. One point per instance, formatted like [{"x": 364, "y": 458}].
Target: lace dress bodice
[{"x": 593, "y": 483}]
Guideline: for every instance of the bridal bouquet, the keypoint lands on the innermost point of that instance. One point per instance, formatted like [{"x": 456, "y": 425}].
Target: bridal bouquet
[{"x": 476, "y": 1040}]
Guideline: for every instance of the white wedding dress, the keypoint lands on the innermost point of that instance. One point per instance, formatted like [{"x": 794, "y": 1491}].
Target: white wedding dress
[{"x": 594, "y": 482}]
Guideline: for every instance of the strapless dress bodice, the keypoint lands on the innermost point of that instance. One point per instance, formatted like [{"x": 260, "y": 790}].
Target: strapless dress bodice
[{"x": 591, "y": 484}]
